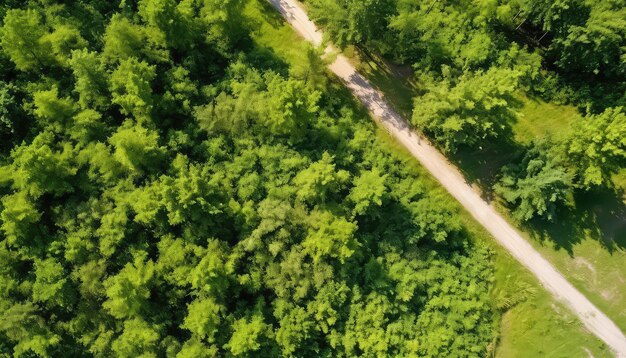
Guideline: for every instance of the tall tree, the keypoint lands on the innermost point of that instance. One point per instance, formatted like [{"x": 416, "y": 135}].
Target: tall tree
[
  {"x": 350, "y": 22},
  {"x": 136, "y": 148},
  {"x": 124, "y": 39},
  {"x": 164, "y": 17},
  {"x": 91, "y": 79},
  {"x": 223, "y": 22},
  {"x": 476, "y": 107},
  {"x": 42, "y": 168},
  {"x": 131, "y": 88},
  {"x": 597, "y": 147},
  {"x": 23, "y": 39},
  {"x": 538, "y": 186},
  {"x": 368, "y": 191}
]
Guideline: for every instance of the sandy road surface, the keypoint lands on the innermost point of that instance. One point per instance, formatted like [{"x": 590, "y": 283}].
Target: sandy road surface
[{"x": 450, "y": 177}]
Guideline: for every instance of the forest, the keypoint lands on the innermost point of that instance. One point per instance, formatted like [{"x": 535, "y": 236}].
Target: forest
[
  {"x": 471, "y": 59},
  {"x": 527, "y": 98},
  {"x": 170, "y": 188}
]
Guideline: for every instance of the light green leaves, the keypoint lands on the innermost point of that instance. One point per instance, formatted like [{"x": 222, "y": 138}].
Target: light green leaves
[
  {"x": 138, "y": 339},
  {"x": 538, "y": 186},
  {"x": 131, "y": 88},
  {"x": 136, "y": 148},
  {"x": 128, "y": 292},
  {"x": 597, "y": 146},
  {"x": 203, "y": 318},
  {"x": 19, "y": 218},
  {"x": 320, "y": 180},
  {"x": 474, "y": 108},
  {"x": 39, "y": 168},
  {"x": 369, "y": 189},
  {"x": 91, "y": 79},
  {"x": 330, "y": 236},
  {"x": 248, "y": 335},
  {"x": 22, "y": 38}
]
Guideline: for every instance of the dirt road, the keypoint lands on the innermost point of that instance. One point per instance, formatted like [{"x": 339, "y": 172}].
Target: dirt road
[{"x": 450, "y": 177}]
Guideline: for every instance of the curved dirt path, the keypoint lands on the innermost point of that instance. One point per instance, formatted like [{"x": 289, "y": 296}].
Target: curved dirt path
[{"x": 451, "y": 179}]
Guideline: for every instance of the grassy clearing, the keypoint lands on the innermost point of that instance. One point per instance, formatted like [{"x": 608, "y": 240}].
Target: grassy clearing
[
  {"x": 588, "y": 242},
  {"x": 587, "y": 245},
  {"x": 538, "y": 119}
]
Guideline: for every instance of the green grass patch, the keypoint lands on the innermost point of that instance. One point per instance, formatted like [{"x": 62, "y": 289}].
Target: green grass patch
[
  {"x": 587, "y": 246},
  {"x": 533, "y": 323},
  {"x": 273, "y": 33},
  {"x": 395, "y": 82},
  {"x": 538, "y": 119}
]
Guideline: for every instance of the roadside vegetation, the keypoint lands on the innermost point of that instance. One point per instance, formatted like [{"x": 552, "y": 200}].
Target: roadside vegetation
[
  {"x": 531, "y": 322},
  {"x": 181, "y": 179},
  {"x": 528, "y": 321},
  {"x": 527, "y": 98},
  {"x": 177, "y": 182}
]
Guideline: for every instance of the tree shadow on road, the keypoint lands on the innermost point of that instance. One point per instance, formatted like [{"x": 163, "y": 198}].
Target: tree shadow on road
[{"x": 481, "y": 166}]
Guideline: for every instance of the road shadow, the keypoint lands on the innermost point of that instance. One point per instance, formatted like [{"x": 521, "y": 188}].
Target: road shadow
[
  {"x": 481, "y": 166},
  {"x": 599, "y": 214},
  {"x": 270, "y": 15},
  {"x": 373, "y": 99}
]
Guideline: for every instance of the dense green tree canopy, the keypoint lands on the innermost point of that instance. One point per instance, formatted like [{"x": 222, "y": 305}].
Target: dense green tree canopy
[
  {"x": 476, "y": 107},
  {"x": 474, "y": 62},
  {"x": 24, "y": 41},
  {"x": 167, "y": 192},
  {"x": 597, "y": 147},
  {"x": 578, "y": 43},
  {"x": 538, "y": 186}
]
